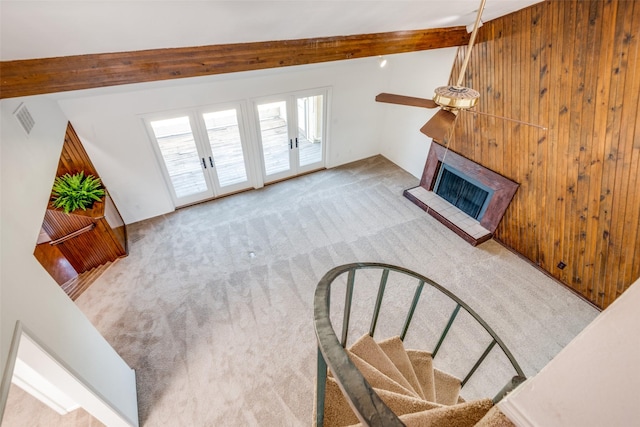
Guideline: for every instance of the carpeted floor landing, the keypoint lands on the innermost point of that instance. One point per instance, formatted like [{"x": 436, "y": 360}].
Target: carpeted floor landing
[{"x": 213, "y": 306}]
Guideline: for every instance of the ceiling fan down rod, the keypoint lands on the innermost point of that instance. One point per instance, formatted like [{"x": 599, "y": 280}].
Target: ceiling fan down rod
[{"x": 471, "y": 41}]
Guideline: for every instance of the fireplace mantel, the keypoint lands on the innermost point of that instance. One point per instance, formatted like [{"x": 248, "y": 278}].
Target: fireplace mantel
[{"x": 473, "y": 231}]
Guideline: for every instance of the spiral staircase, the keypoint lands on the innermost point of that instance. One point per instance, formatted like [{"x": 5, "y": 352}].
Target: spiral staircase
[{"x": 380, "y": 382}]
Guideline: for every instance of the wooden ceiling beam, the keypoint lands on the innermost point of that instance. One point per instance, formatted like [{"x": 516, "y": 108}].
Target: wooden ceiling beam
[{"x": 51, "y": 75}]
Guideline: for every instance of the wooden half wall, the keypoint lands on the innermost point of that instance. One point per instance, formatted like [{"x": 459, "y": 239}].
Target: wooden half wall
[{"x": 573, "y": 66}]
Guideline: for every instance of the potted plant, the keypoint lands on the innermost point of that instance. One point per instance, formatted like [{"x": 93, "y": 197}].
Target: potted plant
[{"x": 72, "y": 192}]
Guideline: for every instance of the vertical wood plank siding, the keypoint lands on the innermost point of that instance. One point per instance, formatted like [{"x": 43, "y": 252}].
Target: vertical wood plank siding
[
  {"x": 74, "y": 158},
  {"x": 573, "y": 66}
]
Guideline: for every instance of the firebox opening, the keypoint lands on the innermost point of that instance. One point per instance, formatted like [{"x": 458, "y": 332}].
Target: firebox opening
[{"x": 467, "y": 194}]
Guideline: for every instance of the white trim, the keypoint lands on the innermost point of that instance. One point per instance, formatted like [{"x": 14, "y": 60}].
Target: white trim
[
  {"x": 8, "y": 370},
  {"x": 244, "y": 141},
  {"x": 266, "y": 179},
  {"x": 251, "y": 140},
  {"x": 33, "y": 383},
  {"x": 290, "y": 98},
  {"x": 193, "y": 124},
  {"x": 46, "y": 363},
  {"x": 513, "y": 412}
]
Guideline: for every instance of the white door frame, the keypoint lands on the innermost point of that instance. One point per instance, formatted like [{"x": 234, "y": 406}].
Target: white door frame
[
  {"x": 244, "y": 140},
  {"x": 195, "y": 130},
  {"x": 51, "y": 375},
  {"x": 292, "y": 124},
  {"x": 203, "y": 148}
]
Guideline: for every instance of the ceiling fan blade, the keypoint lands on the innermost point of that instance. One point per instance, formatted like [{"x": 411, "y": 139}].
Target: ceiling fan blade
[
  {"x": 439, "y": 125},
  {"x": 406, "y": 100}
]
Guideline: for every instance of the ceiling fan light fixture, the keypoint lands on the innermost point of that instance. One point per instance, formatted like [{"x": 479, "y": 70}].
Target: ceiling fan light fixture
[{"x": 456, "y": 97}]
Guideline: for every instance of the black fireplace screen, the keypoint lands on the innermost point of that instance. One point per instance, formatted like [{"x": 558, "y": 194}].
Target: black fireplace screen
[{"x": 461, "y": 193}]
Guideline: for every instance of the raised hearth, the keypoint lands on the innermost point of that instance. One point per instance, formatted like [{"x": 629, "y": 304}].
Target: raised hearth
[{"x": 473, "y": 218}]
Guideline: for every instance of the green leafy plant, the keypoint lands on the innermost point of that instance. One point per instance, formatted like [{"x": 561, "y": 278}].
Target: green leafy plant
[{"x": 72, "y": 192}]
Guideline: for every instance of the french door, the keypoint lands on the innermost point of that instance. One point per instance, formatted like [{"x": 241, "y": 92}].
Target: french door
[
  {"x": 203, "y": 153},
  {"x": 291, "y": 131},
  {"x": 207, "y": 153}
]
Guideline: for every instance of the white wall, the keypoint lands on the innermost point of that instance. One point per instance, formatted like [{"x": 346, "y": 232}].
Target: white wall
[
  {"x": 594, "y": 381},
  {"x": 27, "y": 292},
  {"x": 110, "y": 125},
  {"x": 413, "y": 75}
]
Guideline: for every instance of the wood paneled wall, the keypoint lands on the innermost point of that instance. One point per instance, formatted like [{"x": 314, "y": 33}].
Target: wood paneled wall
[
  {"x": 573, "y": 66},
  {"x": 74, "y": 158}
]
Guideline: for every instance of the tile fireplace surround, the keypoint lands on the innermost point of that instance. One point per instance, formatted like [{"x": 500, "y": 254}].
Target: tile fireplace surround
[{"x": 470, "y": 229}]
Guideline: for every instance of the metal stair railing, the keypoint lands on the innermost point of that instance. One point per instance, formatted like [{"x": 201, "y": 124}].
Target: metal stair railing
[{"x": 366, "y": 404}]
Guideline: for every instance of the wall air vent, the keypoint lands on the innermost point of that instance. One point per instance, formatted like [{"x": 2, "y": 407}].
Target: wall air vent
[{"x": 24, "y": 118}]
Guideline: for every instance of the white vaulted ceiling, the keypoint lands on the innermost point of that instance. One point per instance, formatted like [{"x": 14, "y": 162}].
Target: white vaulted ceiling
[{"x": 48, "y": 28}]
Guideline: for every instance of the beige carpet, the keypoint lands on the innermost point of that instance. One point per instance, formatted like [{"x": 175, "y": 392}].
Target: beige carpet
[{"x": 213, "y": 307}]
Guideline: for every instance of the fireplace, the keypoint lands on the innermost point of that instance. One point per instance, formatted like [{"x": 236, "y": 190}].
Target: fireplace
[
  {"x": 463, "y": 192},
  {"x": 465, "y": 196}
]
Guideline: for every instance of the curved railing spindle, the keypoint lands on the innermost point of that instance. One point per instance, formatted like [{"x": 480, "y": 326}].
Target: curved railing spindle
[
  {"x": 446, "y": 330},
  {"x": 414, "y": 304},
  {"x": 376, "y": 309}
]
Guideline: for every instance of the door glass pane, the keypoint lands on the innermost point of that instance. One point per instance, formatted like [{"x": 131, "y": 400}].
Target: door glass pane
[
  {"x": 178, "y": 148},
  {"x": 275, "y": 136},
  {"x": 310, "y": 128},
  {"x": 226, "y": 146}
]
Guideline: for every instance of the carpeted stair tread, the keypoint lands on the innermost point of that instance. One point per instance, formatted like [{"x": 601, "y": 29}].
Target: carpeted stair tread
[
  {"x": 401, "y": 404},
  {"x": 466, "y": 414},
  {"x": 495, "y": 418},
  {"x": 447, "y": 388},
  {"x": 394, "y": 349},
  {"x": 437, "y": 386},
  {"x": 339, "y": 413},
  {"x": 377, "y": 379},
  {"x": 462, "y": 415},
  {"x": 366, "y": 348},
  {"x": 423, "y": 367}
]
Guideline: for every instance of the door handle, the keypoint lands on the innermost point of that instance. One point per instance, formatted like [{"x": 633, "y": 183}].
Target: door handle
[
  {"x": 296, "y": 142},
  {"x": 204, "y": 164},
  {"x": 291, "y": 144},
  {"x": 211, "y": 161}
]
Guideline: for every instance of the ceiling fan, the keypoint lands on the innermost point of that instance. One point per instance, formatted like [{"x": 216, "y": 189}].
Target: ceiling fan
[{"x": 450, "y": 99}]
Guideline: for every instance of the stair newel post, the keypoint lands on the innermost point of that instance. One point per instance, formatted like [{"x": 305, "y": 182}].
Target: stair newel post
[
  {"x": 347, "y": 306},
  {"x": 376, "y": 309},
  {"x": 446, "y": 330},
  {"x": 414, "y": 304},
  {"x": 508, "y": 388},
  {"x": 321, "y": 388}
]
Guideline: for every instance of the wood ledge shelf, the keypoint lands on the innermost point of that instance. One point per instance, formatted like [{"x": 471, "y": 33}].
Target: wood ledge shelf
[
  {"x": 96, "y": 212},
  {"x": 453, "y": 218}
]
